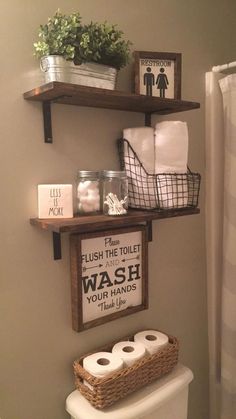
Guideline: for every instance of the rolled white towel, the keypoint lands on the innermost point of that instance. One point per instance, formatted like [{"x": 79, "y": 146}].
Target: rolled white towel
[
  {"x": 142, "y": 141},
  {"x": 171, "y": 147},
  {"x": 171, "y": 158},
  {"x": 142, "y": 188}
]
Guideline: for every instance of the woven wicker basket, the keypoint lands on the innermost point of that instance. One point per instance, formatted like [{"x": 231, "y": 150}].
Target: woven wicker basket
[{"x": 105, "y": 391}]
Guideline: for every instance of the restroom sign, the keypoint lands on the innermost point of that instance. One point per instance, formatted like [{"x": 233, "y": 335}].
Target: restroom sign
[
  {"x": 109, "y": 275},
  {"x": 158, "y": 74}
]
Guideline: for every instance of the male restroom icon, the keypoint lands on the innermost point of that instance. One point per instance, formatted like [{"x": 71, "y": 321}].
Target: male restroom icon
[{"x": 148, "y": 81}]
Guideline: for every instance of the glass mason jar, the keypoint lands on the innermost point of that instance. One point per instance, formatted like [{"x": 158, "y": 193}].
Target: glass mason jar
[
  {"x": 88, "y": 196},
  {"x": 115, "y": 192}
]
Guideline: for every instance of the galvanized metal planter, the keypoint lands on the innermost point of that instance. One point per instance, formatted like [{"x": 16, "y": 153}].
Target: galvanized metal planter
[{"x": 56, "y": 68}]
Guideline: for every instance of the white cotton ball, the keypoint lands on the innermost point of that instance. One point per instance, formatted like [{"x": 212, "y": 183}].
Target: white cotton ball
[
  {"x": 82, "y": 194},
  {"x": 90, "y": 202},
  {"x": 93, "y": 185},
  {"x": 88, "y": 195},
  {"x": 93, "y": 197},
  {"x": 82, "y": 188},
  {"x": 84, "y": 207},
  {"x": 87, "y": 184},
  {"x": 83, "y": 199},
  {"x": 88, "y": 187},
  {"x": 93, "y": 190},
  {"x": 88, "y": 207}
]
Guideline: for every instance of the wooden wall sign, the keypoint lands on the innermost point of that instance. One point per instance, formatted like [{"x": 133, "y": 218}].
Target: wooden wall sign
[
  {"x": 158, "y": 74},
  {"x": 55, "y": 201},
  {"x": 108, "y": 275}
]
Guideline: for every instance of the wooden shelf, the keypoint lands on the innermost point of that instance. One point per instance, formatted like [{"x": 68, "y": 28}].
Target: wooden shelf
[
  {"x": 72, "y": 94},
  {"x": 87, "y": 223},
  {"x": 101, "y": 222}
]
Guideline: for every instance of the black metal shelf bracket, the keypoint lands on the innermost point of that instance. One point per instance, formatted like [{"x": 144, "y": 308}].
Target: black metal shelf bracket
[
  {"x": 149, "y": 230},
  {"x": 47, "y": 118},
  {"x": 56, "y": 245},
  {"x": 148, "y": 119},
  {"x": 47, "y": 122}
]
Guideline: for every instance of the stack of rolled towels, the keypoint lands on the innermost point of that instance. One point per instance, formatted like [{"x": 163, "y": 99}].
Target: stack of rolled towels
[
  {"x": 124, "y": 354},
  {"x": 163, "y": 151}
]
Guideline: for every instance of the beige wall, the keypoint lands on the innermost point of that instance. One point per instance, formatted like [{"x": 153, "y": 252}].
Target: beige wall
[{"x": 38, "y": 344}]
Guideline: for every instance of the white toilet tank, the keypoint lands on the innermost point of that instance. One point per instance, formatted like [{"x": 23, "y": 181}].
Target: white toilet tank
[{"x": 165, "y": 398}]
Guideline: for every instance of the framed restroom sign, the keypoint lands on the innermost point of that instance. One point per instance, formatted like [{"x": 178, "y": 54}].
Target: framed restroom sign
[
  {"x": 108, "y": 275},
  {"x": 158, "y": 74}
]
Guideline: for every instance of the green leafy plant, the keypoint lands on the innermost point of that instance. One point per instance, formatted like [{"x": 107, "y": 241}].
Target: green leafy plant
[
  {"x": 97, "y": 42},
  {"x": 102, "y": 43},
  {"x": 58, "y": 36}
]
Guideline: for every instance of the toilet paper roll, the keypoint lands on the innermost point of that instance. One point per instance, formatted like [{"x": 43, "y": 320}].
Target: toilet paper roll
[
  {"x": 152, "y": 340},
  {"x": 129, "y": 352},
  {"x": 101, "y": 364}
]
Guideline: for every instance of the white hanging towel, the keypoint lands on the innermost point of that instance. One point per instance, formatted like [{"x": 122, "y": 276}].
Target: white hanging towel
[
  {"x": 171, "y": 157},
  {"x": 142, "y": 141}
]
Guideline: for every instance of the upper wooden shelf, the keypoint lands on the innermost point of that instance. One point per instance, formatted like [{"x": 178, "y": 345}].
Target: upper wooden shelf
[{"x": 73, "y": 94}]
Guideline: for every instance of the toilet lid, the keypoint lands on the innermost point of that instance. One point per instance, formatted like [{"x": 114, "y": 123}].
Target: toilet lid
[{"x": 143, "y": 401}]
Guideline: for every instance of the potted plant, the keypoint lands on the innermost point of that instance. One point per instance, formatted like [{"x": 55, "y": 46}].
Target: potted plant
[{"x": 83, "y": 54}]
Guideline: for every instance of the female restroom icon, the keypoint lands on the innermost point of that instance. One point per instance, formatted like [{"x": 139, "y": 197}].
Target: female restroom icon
[{"x": 162, "y": 82}]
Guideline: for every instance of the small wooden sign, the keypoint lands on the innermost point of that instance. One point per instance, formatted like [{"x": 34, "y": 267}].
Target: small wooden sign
[
  {"x": 55, "y": 201},
  {"x": 108, "y": 275},
  {"x": 158, "y": 74}
]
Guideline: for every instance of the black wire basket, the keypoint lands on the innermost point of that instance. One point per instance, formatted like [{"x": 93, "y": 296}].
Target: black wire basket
[{"x": 163, "y": 191}]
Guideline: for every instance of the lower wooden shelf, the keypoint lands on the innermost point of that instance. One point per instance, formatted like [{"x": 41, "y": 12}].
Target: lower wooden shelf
[{"x": 82, "y": 224}]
